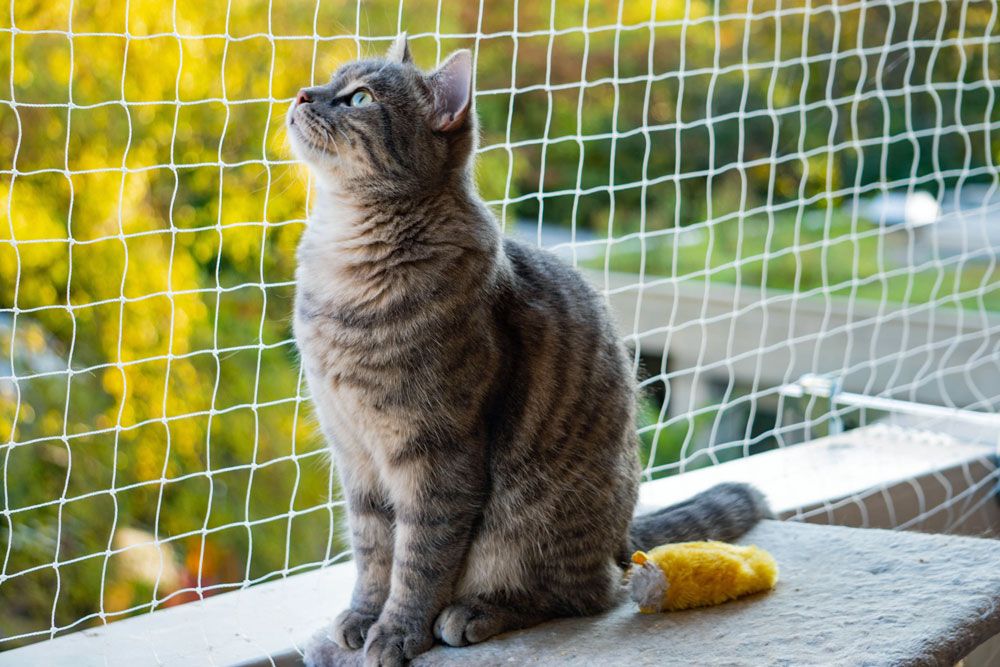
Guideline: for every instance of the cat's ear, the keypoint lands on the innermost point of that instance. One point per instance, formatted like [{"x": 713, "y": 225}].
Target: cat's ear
[
  {"x": 452, "y": 87},
  {"x": 399, "y": 52}
]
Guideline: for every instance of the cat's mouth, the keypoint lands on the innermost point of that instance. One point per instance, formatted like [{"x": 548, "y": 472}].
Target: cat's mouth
[{"x": 311, "y": 131}]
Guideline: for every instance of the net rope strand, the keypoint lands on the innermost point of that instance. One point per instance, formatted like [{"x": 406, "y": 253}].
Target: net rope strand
[{"x": 745, "y": 182}]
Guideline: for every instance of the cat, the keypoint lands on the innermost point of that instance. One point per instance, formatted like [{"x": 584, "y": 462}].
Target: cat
[{"x": 475, "y": 394}]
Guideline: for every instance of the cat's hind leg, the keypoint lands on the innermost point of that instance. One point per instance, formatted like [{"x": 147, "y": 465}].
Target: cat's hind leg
[
  {"x": 503, "y": 590},
  {"x": 472, "y": 619}
]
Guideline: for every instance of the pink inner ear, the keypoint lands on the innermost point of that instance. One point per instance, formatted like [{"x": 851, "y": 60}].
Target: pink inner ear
[{"x": 452, "y": 84}]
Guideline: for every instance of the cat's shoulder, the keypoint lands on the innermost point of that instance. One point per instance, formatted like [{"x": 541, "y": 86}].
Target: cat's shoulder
[
  {"x": 528, "y": 258},
  {"x": 536, "y": 271}
]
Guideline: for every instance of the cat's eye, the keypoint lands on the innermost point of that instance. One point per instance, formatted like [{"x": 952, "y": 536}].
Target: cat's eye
[{"x": 361, "y": 97}]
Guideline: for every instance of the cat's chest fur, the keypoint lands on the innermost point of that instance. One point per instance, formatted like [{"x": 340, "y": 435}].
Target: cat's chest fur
[
  {"x": 376, "y": 299},
  {"x": 350, "y": 351}
]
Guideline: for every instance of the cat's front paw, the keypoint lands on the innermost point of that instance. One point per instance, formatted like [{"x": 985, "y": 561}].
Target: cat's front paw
[
  {"x": 351, "y": 628},
  {"x": 394, "y": 640}
]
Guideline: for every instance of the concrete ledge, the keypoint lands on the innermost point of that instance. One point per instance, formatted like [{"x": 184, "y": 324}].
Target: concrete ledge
[
  {"x": 846, "y": 597},
  {"x": 855, "y": 477},
  {"x": 261, "y": 625}
]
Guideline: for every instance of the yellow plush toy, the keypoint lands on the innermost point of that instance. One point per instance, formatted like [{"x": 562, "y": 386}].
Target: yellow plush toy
[{"x": 698, "y": 574}]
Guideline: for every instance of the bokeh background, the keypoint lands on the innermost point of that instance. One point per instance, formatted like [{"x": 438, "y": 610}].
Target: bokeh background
[{"x": 155, "y": 442}]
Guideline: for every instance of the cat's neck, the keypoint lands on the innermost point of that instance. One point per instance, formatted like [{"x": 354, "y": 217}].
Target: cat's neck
[
  {"x": 335, "y": 215},
  {"x": 338, "y": 216},
  {"x": 341, "y": 220},
  {"x": 348, "y": 240}
]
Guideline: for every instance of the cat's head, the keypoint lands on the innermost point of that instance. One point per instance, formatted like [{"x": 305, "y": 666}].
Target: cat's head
[{"x": 383, "y": 128}]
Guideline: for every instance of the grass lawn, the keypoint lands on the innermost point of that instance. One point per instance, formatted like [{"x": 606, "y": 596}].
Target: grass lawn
[{"x": 818, "y": 254}]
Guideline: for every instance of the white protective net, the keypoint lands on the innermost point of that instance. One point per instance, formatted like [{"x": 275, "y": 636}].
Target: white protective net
[{"x": 765, "y": 190}]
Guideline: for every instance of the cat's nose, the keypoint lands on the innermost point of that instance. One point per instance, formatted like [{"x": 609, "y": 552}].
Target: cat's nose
[{"x": 302, "y": 97}]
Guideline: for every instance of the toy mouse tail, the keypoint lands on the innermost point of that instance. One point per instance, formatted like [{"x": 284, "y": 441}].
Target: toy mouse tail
[{"x": 723, "y": 513}]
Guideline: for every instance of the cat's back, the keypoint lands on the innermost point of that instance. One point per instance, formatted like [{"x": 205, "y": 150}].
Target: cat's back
[
  {"x": 550, "y": 292},
  {"x": 564, "y": 352}
]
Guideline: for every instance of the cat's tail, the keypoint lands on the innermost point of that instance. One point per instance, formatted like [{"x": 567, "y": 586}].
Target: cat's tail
[{"x": 723, "y": 512}]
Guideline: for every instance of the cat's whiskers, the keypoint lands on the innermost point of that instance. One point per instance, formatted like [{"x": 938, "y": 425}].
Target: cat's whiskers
[
  {"x": 342, "y": 133},
  {"x": 316, "y": 132}
]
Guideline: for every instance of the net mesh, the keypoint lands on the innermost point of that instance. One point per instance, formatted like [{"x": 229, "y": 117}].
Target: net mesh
[{"x": 765, "y": 190}]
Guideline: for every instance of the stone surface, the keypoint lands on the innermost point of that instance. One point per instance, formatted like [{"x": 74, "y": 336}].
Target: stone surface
[{"x": 845, "y": 597}]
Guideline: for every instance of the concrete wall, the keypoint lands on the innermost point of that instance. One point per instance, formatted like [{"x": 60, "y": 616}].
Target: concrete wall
[{"x": 720, "y": 333}]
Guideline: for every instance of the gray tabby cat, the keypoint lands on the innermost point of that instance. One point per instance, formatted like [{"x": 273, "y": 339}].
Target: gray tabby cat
[{"x": 475, "y": 394}]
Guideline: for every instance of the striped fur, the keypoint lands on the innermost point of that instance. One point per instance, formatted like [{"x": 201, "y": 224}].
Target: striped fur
[
  {"x": 721, "y": 513},
  {"x": 474, "y": 391}
]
